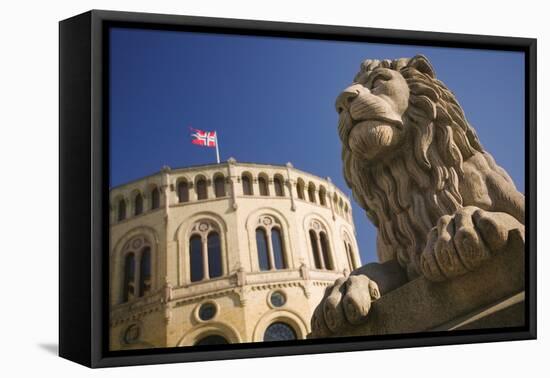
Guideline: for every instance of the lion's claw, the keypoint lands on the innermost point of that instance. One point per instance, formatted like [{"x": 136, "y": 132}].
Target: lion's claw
[
  {"x": 462, "y": 242},
  {"x": 347, "y": 301}
]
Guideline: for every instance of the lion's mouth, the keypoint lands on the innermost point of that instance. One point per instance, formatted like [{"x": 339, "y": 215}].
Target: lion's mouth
[{"x": 347, "y": 123}]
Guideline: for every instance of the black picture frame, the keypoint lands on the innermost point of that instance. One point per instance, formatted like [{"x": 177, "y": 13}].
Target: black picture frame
[{"x": 84, "y": 192}]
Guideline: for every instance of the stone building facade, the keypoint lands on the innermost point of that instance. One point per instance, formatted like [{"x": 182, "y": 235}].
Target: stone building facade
[{"x": 224, "y": 253}]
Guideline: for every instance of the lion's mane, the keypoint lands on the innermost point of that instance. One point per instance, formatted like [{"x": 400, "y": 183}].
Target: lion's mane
[{"x": 404, "y": 195}]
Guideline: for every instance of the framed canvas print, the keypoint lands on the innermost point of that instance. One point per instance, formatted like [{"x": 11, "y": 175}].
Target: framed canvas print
[{"x": 234, "y": 188}]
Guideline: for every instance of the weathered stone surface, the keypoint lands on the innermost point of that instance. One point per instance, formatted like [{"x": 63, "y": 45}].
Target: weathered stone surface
[
  {"x": 442, "y": 206},
  {"x": 422, "y": 305}
]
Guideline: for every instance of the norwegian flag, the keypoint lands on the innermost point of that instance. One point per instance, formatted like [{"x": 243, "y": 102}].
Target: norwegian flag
[{"x": 204, "y": 138}]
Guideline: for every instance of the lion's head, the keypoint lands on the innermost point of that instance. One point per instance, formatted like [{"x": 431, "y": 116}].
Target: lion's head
[{"x": 404, "y": 139}]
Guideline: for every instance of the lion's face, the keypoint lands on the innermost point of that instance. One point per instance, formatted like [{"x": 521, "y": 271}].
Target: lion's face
[{"x": 371, "y": 113}]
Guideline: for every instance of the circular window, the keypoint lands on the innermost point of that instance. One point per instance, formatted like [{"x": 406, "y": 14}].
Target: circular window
[
  {"x": 207, "y": 311},
  {"x": 131, "y": 334},
  {"x": 277, "y": 299},
  {"x": 212, "y": 340},
  {"x": 278, "y": 332}
]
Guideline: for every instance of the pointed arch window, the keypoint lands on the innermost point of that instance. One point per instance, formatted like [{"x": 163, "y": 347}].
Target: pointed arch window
[
  {"x": 155, "y": 198},
  {"x": 121, "y": 209},
  {"x": 201, "y": 189},
  {"x": 320, "y": 246},
  {"x": 279, "y": 188},
  {"x": 219, "y": 186},
  {"x": 270, "y": 244},
  {"x": 205, "y": 252},
  {"x": 183, "y": 191},
  {"x": 138, "y": 204}
]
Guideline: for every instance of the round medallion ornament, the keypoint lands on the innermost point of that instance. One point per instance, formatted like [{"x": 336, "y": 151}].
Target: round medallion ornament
[
  {"x": 207, "y": 311},
  {"x": 131, "y": 334},
  {"x": 137, "y": 243},
  {"x": 277, "y": 299},
  {"x": 267, "y": 221},
  {"x": 316, "y": 225},
  {"x": 203, "y": 227}
]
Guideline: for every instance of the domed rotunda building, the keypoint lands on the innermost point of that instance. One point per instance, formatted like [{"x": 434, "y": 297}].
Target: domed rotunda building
[{"x": 224, "y": 253}]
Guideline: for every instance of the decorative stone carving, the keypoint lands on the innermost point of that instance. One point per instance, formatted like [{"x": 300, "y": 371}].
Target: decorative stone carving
[{"x": 441, "y": 204}]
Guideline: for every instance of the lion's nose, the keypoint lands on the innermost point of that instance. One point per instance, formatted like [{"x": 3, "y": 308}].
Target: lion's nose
[{"x": 346, "y": 97}]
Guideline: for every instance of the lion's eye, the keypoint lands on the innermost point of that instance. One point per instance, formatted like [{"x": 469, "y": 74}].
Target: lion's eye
[{"x": 380, "y": 79}]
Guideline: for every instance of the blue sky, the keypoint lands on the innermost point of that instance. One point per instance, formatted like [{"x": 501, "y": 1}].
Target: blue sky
[{"x": 271, "y": 100}]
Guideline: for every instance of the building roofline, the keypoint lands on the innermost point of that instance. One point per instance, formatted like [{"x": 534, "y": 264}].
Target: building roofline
[{"x": 225, "y": 164}]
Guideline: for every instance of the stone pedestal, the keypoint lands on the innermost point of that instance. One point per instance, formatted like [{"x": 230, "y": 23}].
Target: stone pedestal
[{"x": 491, "y": 297}]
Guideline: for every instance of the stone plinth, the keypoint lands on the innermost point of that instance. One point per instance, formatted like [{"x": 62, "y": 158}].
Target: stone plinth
[{"x": 491, "y": 297}]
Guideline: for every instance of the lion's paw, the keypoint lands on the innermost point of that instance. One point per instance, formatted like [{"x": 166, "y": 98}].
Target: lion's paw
[
  {"x": 463, "y": 241},
  {"x": 346, "y": 302}
]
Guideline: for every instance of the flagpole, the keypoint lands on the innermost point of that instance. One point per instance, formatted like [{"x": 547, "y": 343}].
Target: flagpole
[{"x": 217, "y": 150}]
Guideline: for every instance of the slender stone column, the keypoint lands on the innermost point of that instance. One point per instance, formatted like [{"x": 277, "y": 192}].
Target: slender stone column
[
  {"x": 319, "y": 250},
  {"x": 330, "y": 198},
  {"x": 205, "y": 274},
  {"x": 289, "y": 181},
  {"x": 232, "y": 179},
  {"x": 270, "y": 250}
]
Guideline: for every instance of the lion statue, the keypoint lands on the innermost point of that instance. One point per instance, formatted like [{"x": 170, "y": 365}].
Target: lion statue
[{"x": 441, "y": 204}]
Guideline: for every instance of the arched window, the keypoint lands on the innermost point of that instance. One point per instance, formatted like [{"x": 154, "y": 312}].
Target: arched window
[
  {"x": 183, "y": 191},
  {"x": 219, "y": 186},
  {"x": 320, "y": 247},
  {"x": 128, "y": 289},
  {"x": 214, "y": 255},
  {"x": 261, "y": 244},
  {"x": 341, "y": 207},
  {"x": 279, "y": 331},
  {"x": 247, "y": 185},
  {"x": 335, "y": 204},
  {"x": 145, "y": 272},
  {"x": 137, "y": 270},
  {"x": 311, "y": 192},
  {"x": 300, "y": 189},
  {"x": 262, "y": 183},
  {"x": 279, "y": 188},
  {"x": 212, "y": 340},
  {"x": 277, "y": 247},
  {"x": 205, "y": 251},
  {"x": 155, "y": 198},
  {"x": 325, "y": 251},
  {"x": 322, "y": 196},
  {"x": 121, "y": 209},
  {"x": 138, "y": 204},
  {"x": 270, "y": 244},
  {"x": 195, "y": 257},
  {"x": 200, "y": 187}
]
